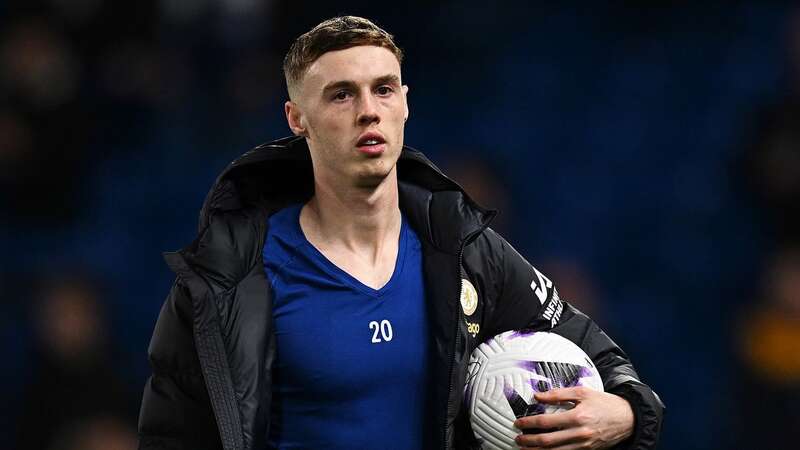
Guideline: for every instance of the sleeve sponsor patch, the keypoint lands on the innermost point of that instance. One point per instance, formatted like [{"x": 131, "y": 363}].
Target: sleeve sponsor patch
[
  {"x": 543, "y": 289},
  {"x": 541, "y": 285},
  {"x": 553, "y": 310}
]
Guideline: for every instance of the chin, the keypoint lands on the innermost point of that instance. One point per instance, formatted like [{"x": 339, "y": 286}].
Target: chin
[
  {"x": 371, "y": 180},
  {"x": 373, "y": 175}
]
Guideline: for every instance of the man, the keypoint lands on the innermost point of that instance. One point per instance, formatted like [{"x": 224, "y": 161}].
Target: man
[{"x": 340, "y": 281}]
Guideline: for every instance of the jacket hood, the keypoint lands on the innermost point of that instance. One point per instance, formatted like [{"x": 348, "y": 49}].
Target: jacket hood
[{"x": 279, "y": 173}]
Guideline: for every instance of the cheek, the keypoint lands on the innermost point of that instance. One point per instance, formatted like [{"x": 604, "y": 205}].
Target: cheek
[
  {"x": 331, "y": 123},
  {"x": 398, "y": 114}
]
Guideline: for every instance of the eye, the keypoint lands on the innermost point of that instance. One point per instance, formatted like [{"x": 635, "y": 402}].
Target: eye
[
  {"x": 341, "y": 95},
  {"x": 384, "y": 90}
]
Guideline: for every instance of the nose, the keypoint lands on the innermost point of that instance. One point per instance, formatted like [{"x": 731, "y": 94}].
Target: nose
[{"x": 368, "y": 111}]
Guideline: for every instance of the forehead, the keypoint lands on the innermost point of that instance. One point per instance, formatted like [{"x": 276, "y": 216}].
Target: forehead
[{"x": 359, "y": 64}]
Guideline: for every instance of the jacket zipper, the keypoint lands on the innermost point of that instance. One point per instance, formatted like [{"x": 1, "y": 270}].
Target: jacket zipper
[
  {"x": 453, "y": 357},
  {"x": 466, "y": 240}
]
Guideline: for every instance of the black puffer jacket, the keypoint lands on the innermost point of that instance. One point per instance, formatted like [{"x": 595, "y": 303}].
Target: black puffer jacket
[{"x": 213, "y": 348}]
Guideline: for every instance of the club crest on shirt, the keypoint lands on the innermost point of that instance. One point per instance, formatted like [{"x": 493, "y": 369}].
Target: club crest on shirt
[{"x": 469, "y": 297}]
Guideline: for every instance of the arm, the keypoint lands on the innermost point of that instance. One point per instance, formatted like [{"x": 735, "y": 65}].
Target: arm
[
  {"x": 529, "y": 300},
  {"x": 176, "y": 411}
]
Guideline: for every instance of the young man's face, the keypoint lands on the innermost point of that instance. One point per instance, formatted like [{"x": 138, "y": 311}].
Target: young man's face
[{"x": 351, "y": 107}]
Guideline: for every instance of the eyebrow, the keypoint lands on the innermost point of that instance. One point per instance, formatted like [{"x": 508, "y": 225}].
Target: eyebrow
[{"x": 384, "y": 79}]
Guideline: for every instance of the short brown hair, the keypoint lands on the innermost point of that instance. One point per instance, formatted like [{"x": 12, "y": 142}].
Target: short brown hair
[{"x": 338, "y": 33}]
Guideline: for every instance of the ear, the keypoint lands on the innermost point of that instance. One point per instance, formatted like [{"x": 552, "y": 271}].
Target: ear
[
  {"x": 294, "y": 116},
  {"x": 405, "y": 100}
]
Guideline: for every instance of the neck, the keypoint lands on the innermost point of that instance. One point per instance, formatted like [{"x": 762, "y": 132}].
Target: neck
[{"x": 358, "y": 218}]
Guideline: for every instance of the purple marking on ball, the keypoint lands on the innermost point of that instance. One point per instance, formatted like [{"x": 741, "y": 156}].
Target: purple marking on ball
[
  {"x": 521, "y": 333},
  {"x": 520, "y": 407},
  {"x": 559, "y": 375}
]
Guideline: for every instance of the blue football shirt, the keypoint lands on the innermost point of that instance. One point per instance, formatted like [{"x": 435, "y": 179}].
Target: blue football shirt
[{"x": 350, "y": 369}]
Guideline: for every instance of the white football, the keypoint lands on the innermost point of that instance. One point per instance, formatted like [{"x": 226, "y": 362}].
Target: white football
[{"x": 508, "y": 369}]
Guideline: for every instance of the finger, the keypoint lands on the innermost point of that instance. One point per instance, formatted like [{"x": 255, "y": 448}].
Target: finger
[
  {"x": 570, "y": 394},
  {"x": 564, "y": 419},
  {"x": 554, "y": 439}
]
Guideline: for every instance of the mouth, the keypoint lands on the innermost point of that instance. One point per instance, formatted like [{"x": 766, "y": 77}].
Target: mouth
[{"x": 371, "y": 143}]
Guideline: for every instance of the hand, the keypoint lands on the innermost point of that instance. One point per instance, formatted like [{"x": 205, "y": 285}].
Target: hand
[{"x": 598, "y": 420}]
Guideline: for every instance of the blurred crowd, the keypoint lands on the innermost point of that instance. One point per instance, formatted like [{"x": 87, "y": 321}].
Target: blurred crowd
[
  {"x": 769, "y": 336},
  {"x": 81, "y": 79},
  {"x": 73, "y": 399},
  {"x": 82, "y": 84},
  {"x": 115, "y": 117}
]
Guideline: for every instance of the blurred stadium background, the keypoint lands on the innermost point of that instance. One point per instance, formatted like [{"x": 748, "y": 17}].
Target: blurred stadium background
[{"x": 645, "y": 154}]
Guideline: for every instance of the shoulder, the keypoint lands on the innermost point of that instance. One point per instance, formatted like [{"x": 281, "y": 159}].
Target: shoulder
[
  {"x": 499, "y": 264},
  {"x": 228, "y": 247},
  {"x": 490, "y": 248},
  {"x": 487, "y": 248}
]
